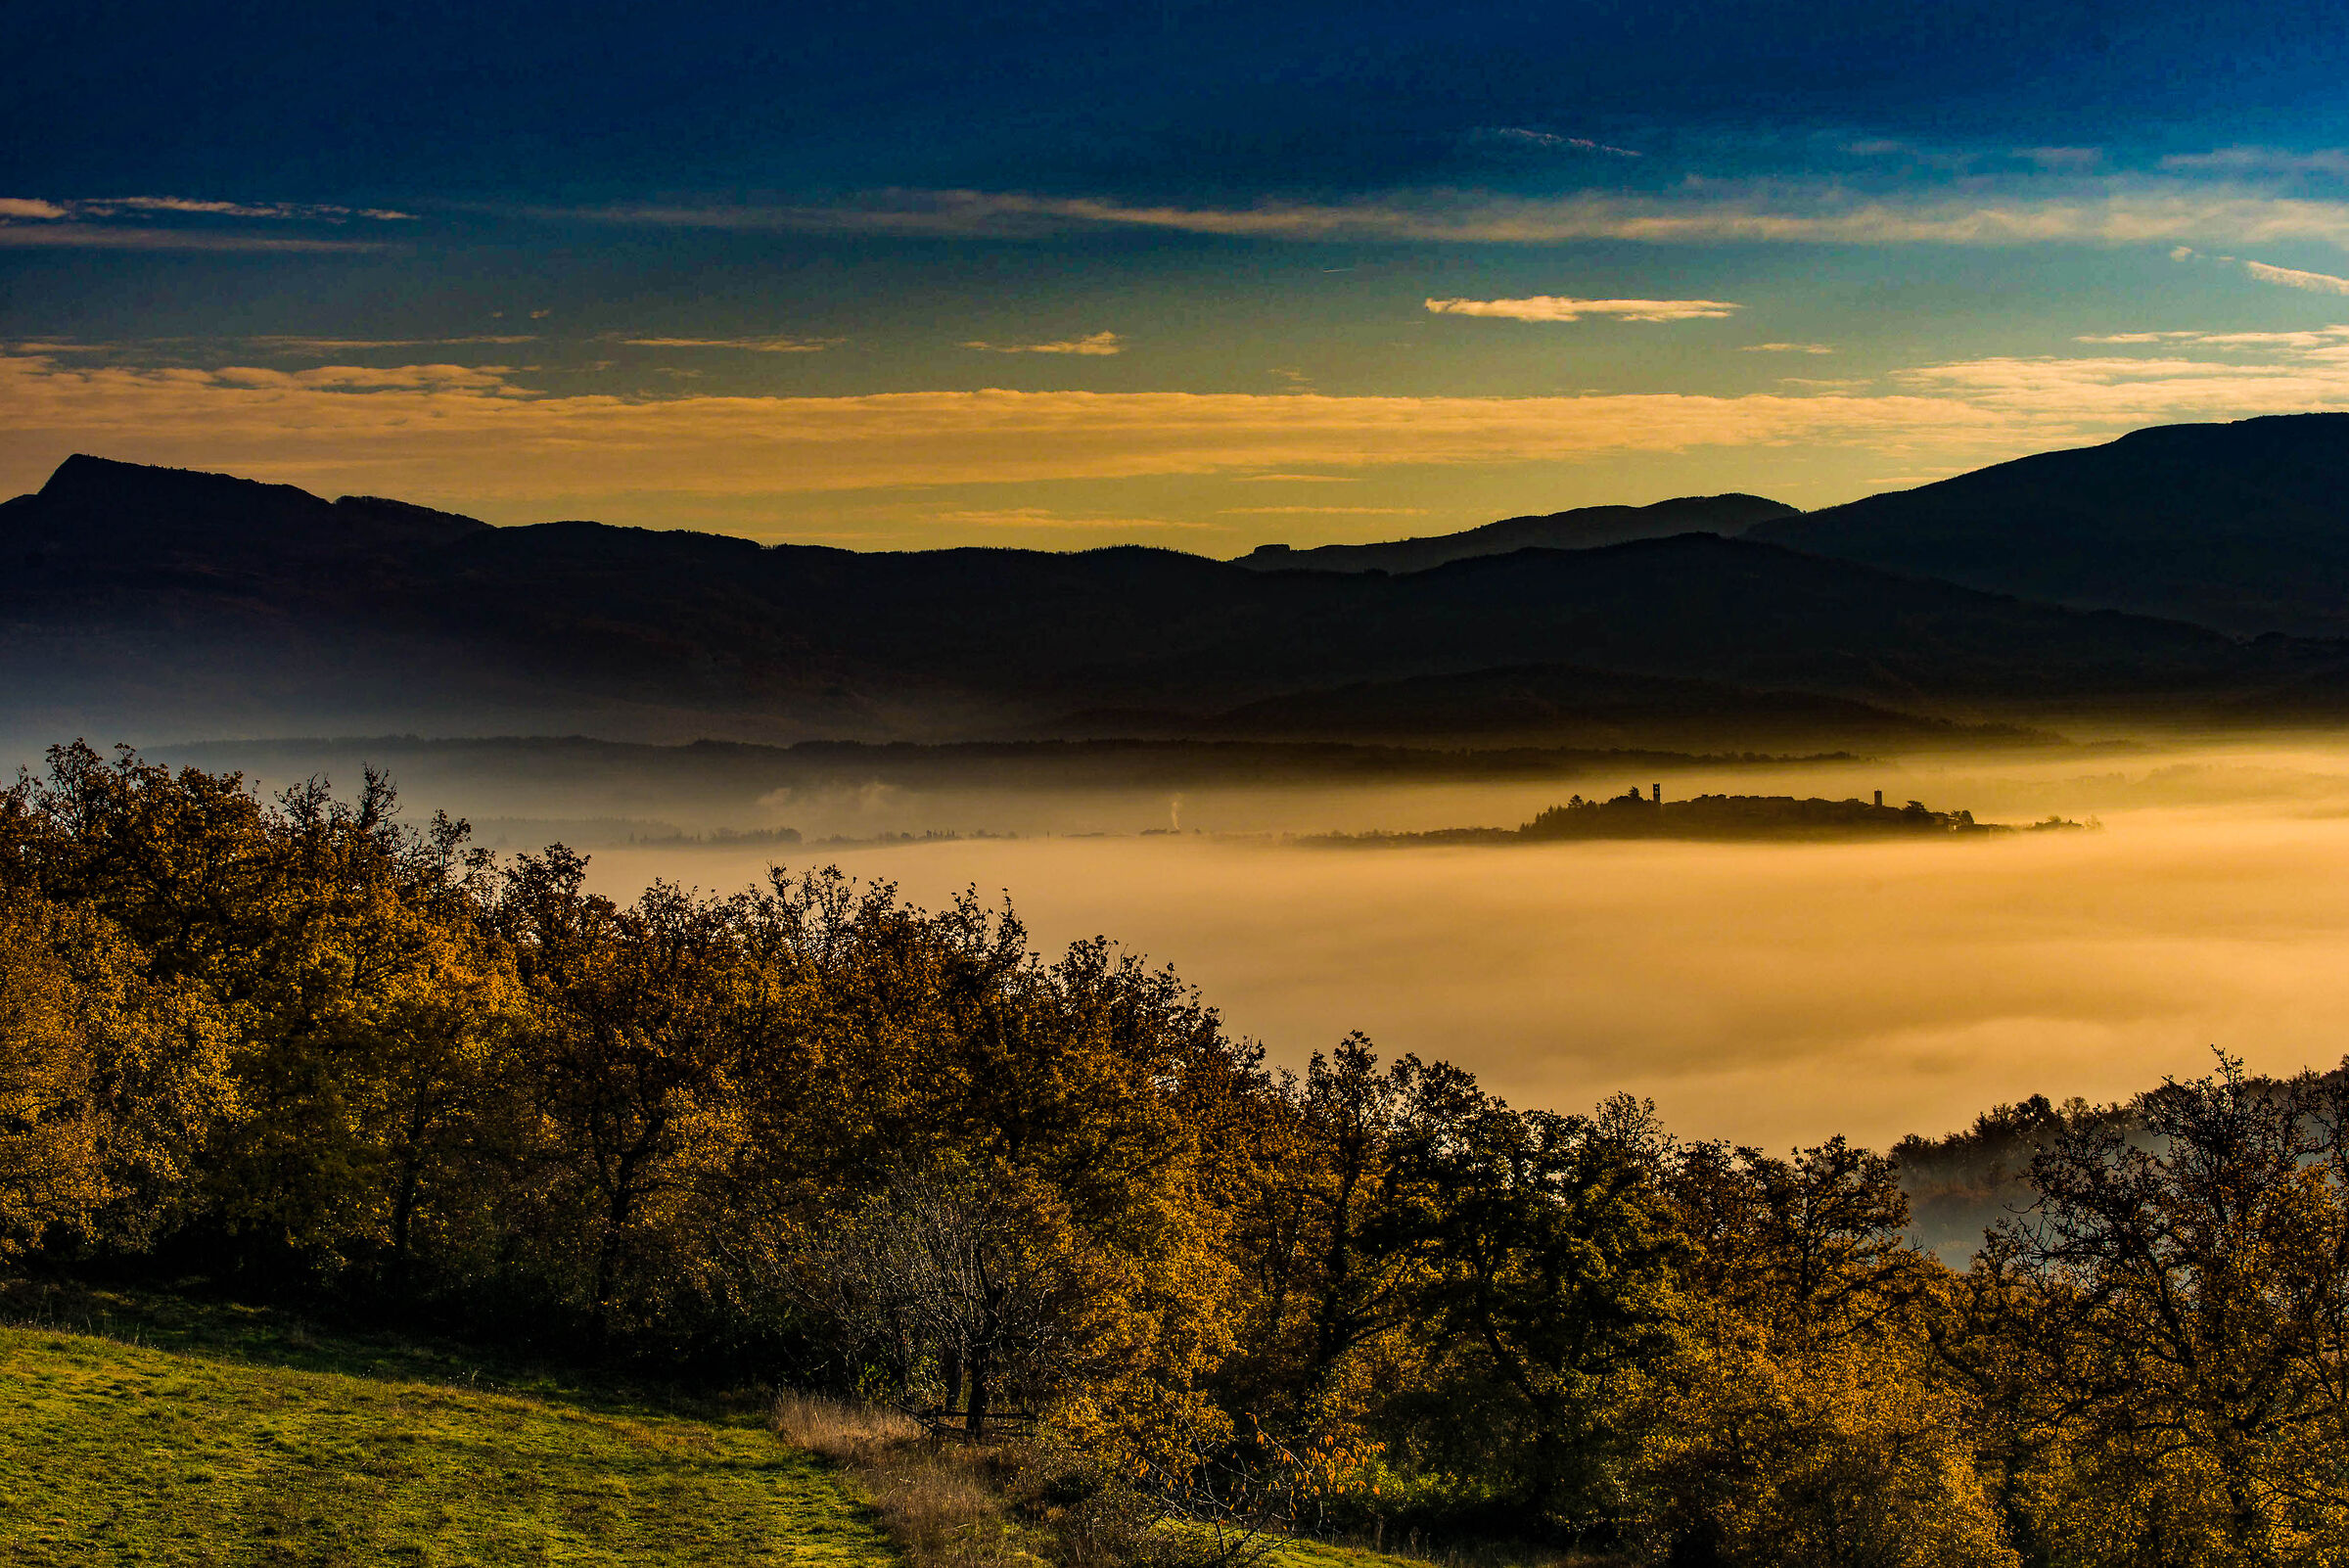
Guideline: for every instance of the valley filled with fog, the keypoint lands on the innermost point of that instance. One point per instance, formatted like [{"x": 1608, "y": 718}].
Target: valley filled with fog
[{"x": 1758, "y": 991}]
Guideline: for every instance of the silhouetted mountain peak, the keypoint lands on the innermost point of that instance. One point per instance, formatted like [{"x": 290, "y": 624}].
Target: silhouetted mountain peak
[
  {"x": 82, "y": 479},
  {"x": 131, "y": 512}
]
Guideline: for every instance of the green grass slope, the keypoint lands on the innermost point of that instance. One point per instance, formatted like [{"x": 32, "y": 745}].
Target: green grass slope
[{"x": 228, "y": 1442}]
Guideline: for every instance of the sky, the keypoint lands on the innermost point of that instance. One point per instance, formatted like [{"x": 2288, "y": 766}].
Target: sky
[{"x": 1202, "y": 276}]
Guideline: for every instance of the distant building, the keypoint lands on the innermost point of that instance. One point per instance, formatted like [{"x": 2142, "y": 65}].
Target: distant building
[{"x": 1657, "y": 792}]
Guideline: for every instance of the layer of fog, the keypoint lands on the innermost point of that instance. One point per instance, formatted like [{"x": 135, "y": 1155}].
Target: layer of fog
[
  {"x": 1760, "y": 992},
  {"x": 2020, "y": 786}
]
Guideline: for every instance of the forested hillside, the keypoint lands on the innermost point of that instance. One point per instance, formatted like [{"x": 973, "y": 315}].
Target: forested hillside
[{"x": 807, "y": 1134}]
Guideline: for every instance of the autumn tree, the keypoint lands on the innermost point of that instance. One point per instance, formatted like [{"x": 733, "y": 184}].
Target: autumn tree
[
  {"x": 1554, "y": 1270},
  {"x": 1809, "y": 1247},
  {"x": 2187, "y": 1318},
  {"x": 110, "y": 1086},
  {"x": 1332, "y": 1264}
]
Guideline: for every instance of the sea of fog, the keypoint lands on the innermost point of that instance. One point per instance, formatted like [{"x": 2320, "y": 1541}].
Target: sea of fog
[{"x": 1761, "y": 992}]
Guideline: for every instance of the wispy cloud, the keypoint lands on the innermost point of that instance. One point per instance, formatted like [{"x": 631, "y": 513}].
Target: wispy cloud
[
  {"x": 95, "y": 222},
  {"x": 2263, "y": 160},
  {"x": 1524, "y": 139},
  {"x": 755, "y": 346},
  {"x": 288, "y": 344},
  {"x": 125, "y": 237},
  {"x": 489, "y": 379},
  {"x": 2298, "y": 341},
  {"x": 2038, "y": 208},
  {"x": 1098, "y": 342},
  {"x": 1323, "y": 511},
  {"x": 1035, "y": 516},
  {"x": 2119, "y": 390},
  {"x": 1553, "y": 307},
  {"x": 2071, "y": 159},
  {"x": 1788, "y": 349},
  {"x": 108, "y": 206},
  {"x": 2291, "y": 278}
]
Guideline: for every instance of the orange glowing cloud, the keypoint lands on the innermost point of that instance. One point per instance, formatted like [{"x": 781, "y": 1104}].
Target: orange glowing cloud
[{"x": 474, "y": 430}]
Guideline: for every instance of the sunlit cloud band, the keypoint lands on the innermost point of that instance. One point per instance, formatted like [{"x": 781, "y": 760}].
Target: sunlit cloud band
[{"x": 460, "y": 431}]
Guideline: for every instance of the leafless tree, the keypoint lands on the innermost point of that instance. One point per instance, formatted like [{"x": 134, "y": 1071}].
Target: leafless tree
[{"x": 961, "y": 1282}]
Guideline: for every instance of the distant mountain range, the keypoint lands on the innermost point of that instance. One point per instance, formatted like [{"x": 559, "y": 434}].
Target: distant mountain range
[{"x": 155, "y": 603}]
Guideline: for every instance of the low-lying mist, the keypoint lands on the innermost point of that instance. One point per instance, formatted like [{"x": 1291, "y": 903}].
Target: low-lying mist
[{"x": 1760, "y": 992}]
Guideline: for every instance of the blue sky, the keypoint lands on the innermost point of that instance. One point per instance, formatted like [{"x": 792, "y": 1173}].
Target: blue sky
[{"x": 1196, "y": 275}]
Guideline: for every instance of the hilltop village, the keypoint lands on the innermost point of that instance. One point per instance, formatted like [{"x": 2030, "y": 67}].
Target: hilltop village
[{"x": 1638, "y": 815}]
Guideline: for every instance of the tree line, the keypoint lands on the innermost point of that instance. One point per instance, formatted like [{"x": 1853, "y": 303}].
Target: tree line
[{"x": 811, "y": 1135}]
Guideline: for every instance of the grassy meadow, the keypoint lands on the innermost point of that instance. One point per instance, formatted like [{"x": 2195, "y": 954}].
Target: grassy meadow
[{"x": 194, "y": 1436}]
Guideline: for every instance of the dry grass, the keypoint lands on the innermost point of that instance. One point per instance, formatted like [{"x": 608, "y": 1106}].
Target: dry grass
[
  {"x": 951, "y": 1504},
  {"x": 942, "y": 1503},
  {"x": 844, "y": 1433}
]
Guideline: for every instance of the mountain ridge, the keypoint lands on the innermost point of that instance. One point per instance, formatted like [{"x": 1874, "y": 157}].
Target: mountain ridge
[
  {"x": 222, "y": 602},
  {"x": 2243, "y": 526},
  {"x": 1582, "y": 528}
]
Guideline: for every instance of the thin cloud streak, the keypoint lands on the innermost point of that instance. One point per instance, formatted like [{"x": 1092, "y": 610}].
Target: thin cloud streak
[
  {"x": 87, "y": 223},
  {"x": 2243, "y": 159},
  {"x": 101, "y": 237},
  {"x": 2110, "y": 391},
  {"x": 755, "y": 346},
  {"x": 287, "y": 343},
  {"x": 196, "y": 206},
  {"x": 1093, "y": 343},
  {"x": 1036, "y": 517},
  {"x": 2290, "y": 278},
  {"x": 1520, "y": 138},
  {"x": 1553, "y": 307},
  {"x": 2037, "y": 210},
  {"x": 2304, "y": 340}
]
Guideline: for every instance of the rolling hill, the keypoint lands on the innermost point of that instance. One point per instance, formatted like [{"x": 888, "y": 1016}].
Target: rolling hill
[{"x": 1560, "y": 705}]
